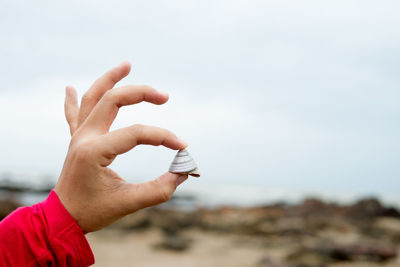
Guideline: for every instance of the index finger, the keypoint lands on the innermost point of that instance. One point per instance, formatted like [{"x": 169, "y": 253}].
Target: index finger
[
  {"x": 122, "y": 140},
  {"x": 104, "y": 113},
  {"x": 106, "y": 82}
]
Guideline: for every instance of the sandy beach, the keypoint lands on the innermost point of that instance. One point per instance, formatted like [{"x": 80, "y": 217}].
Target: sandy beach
[
  {"x": 116, "y": 248},
  {"x": 119, "y": 248}
]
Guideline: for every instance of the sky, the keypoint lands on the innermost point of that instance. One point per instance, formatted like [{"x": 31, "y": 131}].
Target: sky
[{"x": 277, "y": 99}]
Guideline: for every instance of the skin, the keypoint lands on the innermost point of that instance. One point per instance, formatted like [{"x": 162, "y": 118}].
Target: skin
[{"x": 92, "y": 193}]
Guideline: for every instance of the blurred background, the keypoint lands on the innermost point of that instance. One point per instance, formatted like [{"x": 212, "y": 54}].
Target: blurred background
[{"x": 290, "y": 109}]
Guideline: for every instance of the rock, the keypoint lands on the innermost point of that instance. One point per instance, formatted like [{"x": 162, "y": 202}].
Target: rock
[
  {"x": 7, "y": 206},
  {"x": 174, "y": 242},
  {"x": 388, "y": 224},
  {"x": 368, "y": 252},
  {"x": 329, "y": 253},
  {"x": 372, "y": 252},
  {"x": 383, "y": 228},
  {"x": 136, "y": 221},
  {"x": 312, "y": 207},
  {"x": 267, "y": 262},
  {"x": 173, "y": 221},
  {"x": 369, "y": 208},
  {"x": 308, "y": 258},
  {"x": 291, "y": 226}
]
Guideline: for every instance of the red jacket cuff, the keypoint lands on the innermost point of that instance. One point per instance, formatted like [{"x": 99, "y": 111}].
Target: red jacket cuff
[{"x": 64, "y": 232}]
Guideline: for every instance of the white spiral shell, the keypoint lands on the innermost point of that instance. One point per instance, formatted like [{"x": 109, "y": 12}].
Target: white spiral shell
[{"x": 184, "y": 163}]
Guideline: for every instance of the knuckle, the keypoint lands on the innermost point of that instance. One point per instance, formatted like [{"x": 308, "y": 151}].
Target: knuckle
[
  {"x": 110, "y": 95},
  {"x": 113, "y": 76},
  {"x": 146, "y": 88},
  {"x": 83, "y": 150},
  {"x": 86, "y": 97},
  {"x": 165, "y": 195},
  {"x": 74, "y": 141},
  {"x": 141, "y": 134},
  {"x": 169, "y": 134},
  {"x": 138, "y": 129}
]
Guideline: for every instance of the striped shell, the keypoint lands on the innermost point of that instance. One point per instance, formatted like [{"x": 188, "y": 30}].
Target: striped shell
[{"x": 184, "y": 163}]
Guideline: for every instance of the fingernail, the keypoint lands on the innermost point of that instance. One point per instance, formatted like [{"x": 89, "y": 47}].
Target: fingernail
[
  {"x": 125, "y": 62},
  {"x": 165, "y": 94},
  {"x": 181, "y": 179},
  {"x": 68, "y": 89},
  {"x": 184, "y": 143}
]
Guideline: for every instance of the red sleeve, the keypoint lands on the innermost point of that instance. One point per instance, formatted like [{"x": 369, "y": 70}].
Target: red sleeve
[{"x": 43, "y": 235}]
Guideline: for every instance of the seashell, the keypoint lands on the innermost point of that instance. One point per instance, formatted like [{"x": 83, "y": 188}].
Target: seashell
[{"x": 184, "y": 163}]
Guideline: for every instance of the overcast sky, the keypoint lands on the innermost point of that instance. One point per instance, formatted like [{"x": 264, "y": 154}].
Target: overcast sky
[{"x": 276, "y": 98}]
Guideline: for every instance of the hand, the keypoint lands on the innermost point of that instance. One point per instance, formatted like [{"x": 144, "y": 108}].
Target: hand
[{"x": 91, "y": 192}]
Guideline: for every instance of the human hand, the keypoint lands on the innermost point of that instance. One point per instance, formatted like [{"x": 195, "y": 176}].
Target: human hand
[{"x": 92, "y": 193}]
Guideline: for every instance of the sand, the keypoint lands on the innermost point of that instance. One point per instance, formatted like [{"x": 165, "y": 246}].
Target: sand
[
  {"x": 113, "y": 247},
  {"x": 116, "y": 248}
]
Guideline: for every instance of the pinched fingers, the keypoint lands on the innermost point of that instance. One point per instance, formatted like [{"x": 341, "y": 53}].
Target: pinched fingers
[
  {"x": 99, "y": 87},
  {"x": 122, "y": 140},
  {"x": 71, "y": 108},
  {"x": 104, "y": 113}
]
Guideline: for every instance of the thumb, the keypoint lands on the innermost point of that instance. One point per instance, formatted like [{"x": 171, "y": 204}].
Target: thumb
[{"x": 139, "y": 196}]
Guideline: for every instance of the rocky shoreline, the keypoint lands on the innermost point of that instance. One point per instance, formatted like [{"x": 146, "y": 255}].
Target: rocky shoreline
[{"x": 312, "y": 233}]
